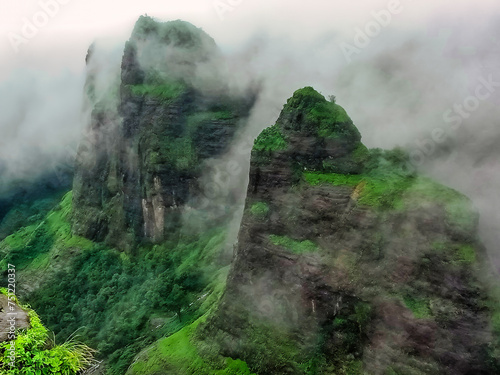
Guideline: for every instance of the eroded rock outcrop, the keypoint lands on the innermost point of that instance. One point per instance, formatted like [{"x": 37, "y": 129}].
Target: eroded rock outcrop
[
  {"x": 346, "y": 263},
  {"x": 149, "y": 136}
]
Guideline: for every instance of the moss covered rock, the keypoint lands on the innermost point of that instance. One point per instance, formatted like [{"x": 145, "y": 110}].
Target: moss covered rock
[
  {"x": 353, "y": 264},
  {"x": 145, "y": 150},
  {"x": 311, "y": 134}
]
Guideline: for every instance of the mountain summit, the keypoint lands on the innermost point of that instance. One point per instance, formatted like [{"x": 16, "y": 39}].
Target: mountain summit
[
  {"x": 346, "y": 263},
  {"x": 145, "y": 151}
]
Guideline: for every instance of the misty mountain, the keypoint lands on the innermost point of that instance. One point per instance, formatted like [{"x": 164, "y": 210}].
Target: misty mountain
[{"x": 182, "y": 248}]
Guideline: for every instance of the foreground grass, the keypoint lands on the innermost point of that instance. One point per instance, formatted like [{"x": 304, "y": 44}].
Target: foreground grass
[{"x": 35, "y": 353}]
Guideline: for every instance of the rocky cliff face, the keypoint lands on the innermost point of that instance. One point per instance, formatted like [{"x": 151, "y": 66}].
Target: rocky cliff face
[
  {"x": 348, "y": 264},
  {"x": 149, "y": 136}
]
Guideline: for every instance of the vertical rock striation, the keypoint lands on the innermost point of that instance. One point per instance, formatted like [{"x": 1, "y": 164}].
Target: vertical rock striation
[{"x": 149, "y": 136}]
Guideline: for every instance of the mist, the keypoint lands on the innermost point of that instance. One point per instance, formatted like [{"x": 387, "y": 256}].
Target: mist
[
  {"x": 39, "y": 126},
  {"x": 400, "y": 86}
]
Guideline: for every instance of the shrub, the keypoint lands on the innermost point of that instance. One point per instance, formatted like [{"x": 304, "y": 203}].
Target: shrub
[
  {"x": 270, "y": 139},
  {"x": 466, "y": 254},
  {"x": 298, "y": 247},
  {"x": 260, "y": 209},
  {"x": 459, "y": 210},
  {"x": 164, "y": 92},
  {"x": 36, "y": 354},
  {"x": 418, "y": 306}
]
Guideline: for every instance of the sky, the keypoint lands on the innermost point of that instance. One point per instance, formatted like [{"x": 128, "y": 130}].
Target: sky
[{"x": 418, "y": 74}]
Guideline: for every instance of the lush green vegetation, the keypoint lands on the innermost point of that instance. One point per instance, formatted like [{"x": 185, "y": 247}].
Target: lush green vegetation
[
  {"x": 336, "y": 179},
  {"x": 298, "y": 247},
  {"x": 270, "y": 139},
  {"x": 117, "y": 306},
  {"x": 26, "y": 213},
  {"x": 380, "y": 190},
  {"x": 176, "y": 145},
  {"x": 467, "y": 254},
  {"x": 326, "y": 115},
  {"x": 266, "y": 346},
  {"x": 179, "y": 354},
  {"x": 24, "y": 203},
  {"x": 117, "y": 301},
  {"x": 36, "y": 354},
  {"x": 349, "y": 329},
  {"x": 31, "y": 244},
  {"x": 458, "y": 207},
  {"x": 361, "y": 153},
  {"x": 260, "y": 209},
  {"x": 382, "y": 182},
  {"x": 178, "y": 152},
  {"x": 156, "y": 296},
  {"x": 459, "y": 254},
  {"x": 165, "y": 91},
  {"x": 305, "y": 98},
  {"x": 418, "y": 306},
  {"x": 324, "y": 118},
  {"x": 178, "y": 32},
  {"x": 385, "y": 183}
]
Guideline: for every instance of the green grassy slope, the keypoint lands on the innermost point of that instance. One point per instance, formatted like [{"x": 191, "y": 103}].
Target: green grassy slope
[{"x": 117, "y": 302}]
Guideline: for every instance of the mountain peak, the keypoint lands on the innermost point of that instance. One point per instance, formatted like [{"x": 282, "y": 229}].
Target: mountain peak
[
  {"x": 311, "y": 133},
  {"x": 172, "y": 114},
  {"x": 170, "y": 51},
  {"x": 346, "y": 261},
  {"x": 305, "y": 97},
  {"x": 309, "y": 112},
  {"x": 177, "y": 33}
]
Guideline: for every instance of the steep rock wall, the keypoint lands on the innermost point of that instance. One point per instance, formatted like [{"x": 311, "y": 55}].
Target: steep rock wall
[
  {"x": 148, "y": 139},
  {"x": 346, "y": 263}
]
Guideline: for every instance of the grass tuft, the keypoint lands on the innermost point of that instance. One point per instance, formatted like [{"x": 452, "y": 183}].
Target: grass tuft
[
  {"x": 164, "y": 92},
  {"x": 260, "y": 210},
  {"x": 270, "y": 139},
  {"x": 418, "y": 306},
  {"x": 297, "y": 247}
]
